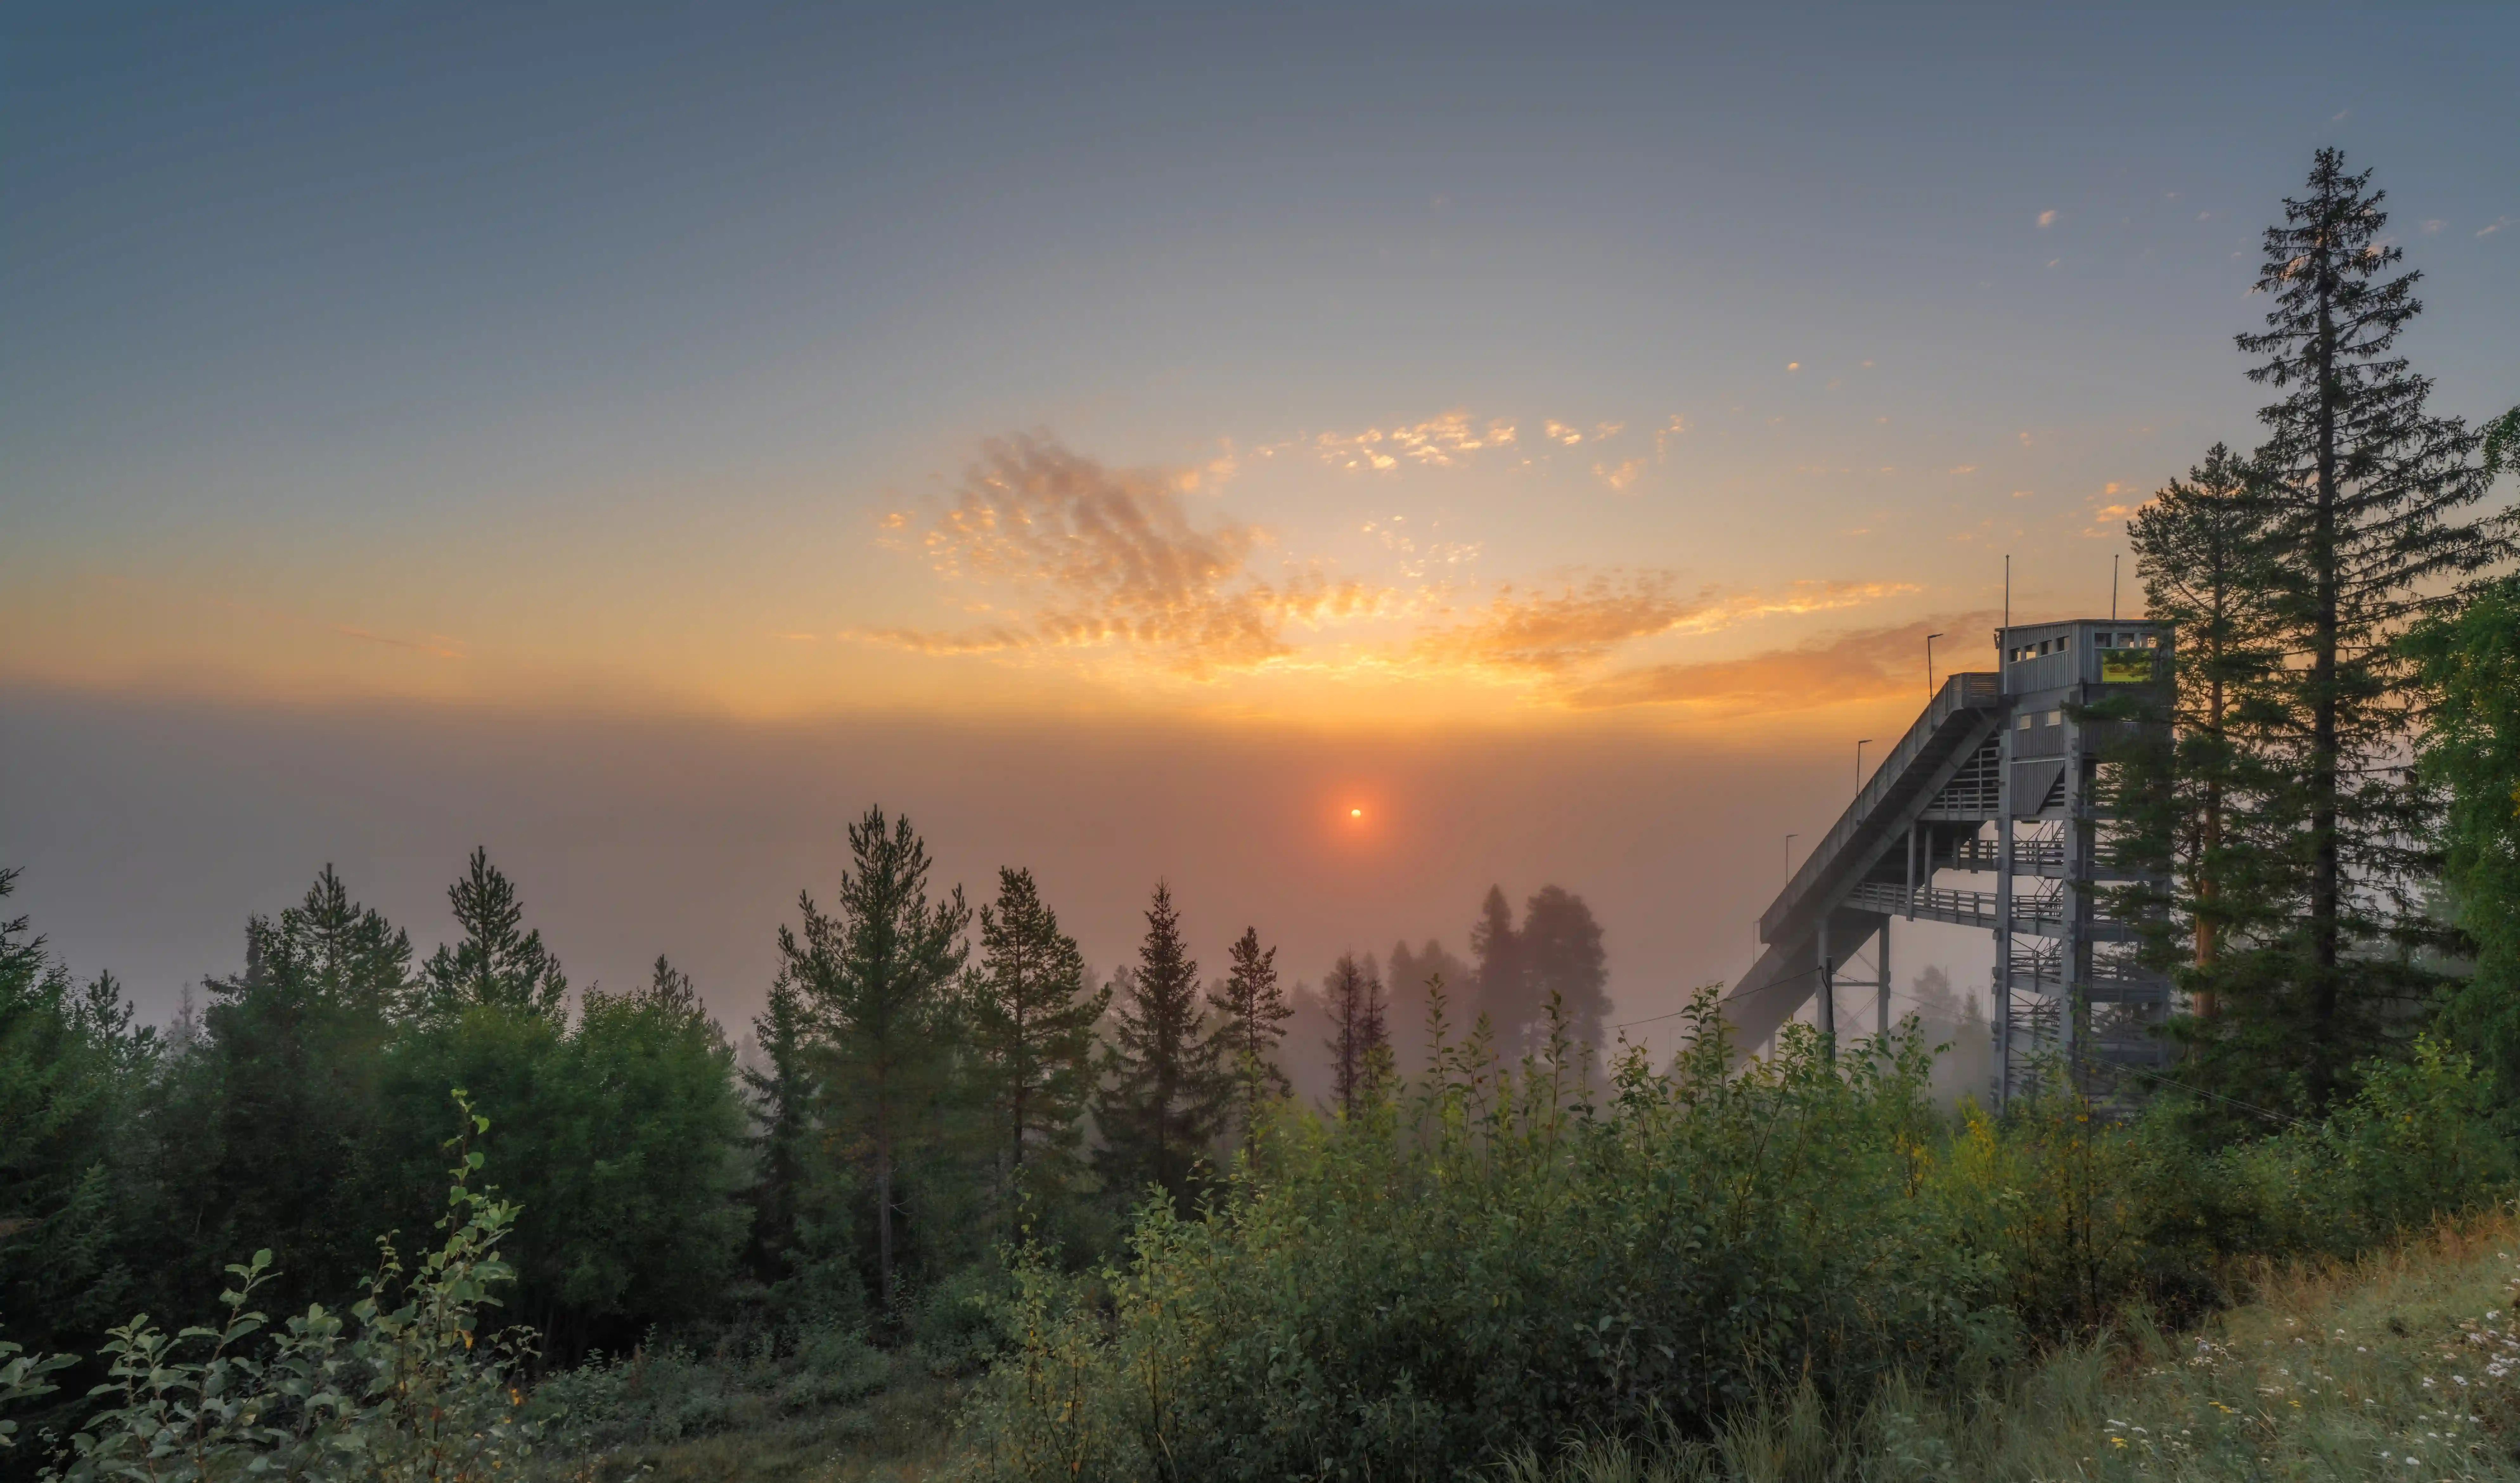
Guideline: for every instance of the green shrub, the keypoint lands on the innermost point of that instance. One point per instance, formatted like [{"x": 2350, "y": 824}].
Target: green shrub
[
  {"x": 406, "y": 1385},
  {"x": 1498, "y": 1264},
  {"x": 1422, "y": 1290},
  {"x": 959, "y": 1326}
]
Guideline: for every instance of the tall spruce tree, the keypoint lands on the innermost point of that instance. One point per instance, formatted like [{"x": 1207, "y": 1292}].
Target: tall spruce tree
[
  {"x": 1031, "y": 1036},
  {"x": 2201, "y": 548},
  {"x": 1361, "y": 1045},
  {"x": 1253, "y": 1009},
  {"x": 783, "y": 1094},
  {"x": 1505, "y": 994},
  {"x": 2366, "y": 496},
  {"x": 496, "y": 963},
  {"x": 877, "y": 975},
  {"x": 1164, "y": 1091}
]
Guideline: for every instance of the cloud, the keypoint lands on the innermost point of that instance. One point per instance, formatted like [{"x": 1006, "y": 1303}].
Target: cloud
[
  {"x": 2494, "y": 226},
  {"x": 2047, "y": 219},
  {"x": 1439, "y": 443},
  {"x": 1620, "y": 477},
  {"x": 1663, "y": 434},
  {"x": 1560, "y": 432},
  {"x": 1556, "y": 633},
  {"x": 1793, "y": 365},
  {"x": 2432, "y": 224},
  {"x": 1090, "y": 557},
  {"x": 1859, "y": 665}
]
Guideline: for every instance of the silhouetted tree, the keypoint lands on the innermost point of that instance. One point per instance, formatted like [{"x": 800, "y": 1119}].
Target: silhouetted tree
[
  {"x": 495, "y": 964},
  {"x": 1164, "y": 1090},
  {"x": 1253, "y": 1009},
  {"x": 1504, "y": 993},
  {"x": 1562, "y": 955},
  {"x": 1361, "y": 1050},
  {"x": 1031, "y": 1027},
  {"x": 785, "y": 1093},
  {"x": 292, "y": 1049},
  {"x": 875, "y": 975}
]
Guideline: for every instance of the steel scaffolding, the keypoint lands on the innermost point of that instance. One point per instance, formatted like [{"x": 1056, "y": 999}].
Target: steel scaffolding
[{"x": 1999, "y": 780}]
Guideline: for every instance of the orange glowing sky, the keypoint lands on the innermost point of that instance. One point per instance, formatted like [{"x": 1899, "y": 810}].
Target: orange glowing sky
[{"x": 1349, "y": 402}]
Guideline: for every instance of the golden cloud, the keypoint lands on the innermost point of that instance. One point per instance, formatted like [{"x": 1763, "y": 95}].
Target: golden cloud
[
  {"x": 1555, "y": 633},
  {"x": 1439, "y": 443},
  {"x": 1859, "y": 665},
  {"x": 1102, "y": 557}
]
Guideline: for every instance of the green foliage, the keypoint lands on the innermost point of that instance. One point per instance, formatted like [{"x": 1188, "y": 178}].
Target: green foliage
[
  {"x": 497, "y": 964},
  {"x": 665, "y": 1394},
  {"x": 1252, "y": 1012},
  {"x": 875, "y": 977},
  {"x": 1424, "y": 1291},
  {"x": 1029, "y": 1042},
  {"x": 2470, "y": 662},
  {"x": 72, "y": 1146},
  {"x": 1165, "y": 1085},
  {"x": 2363, "y": 494},
  {"x": 406, "y": 1385}
]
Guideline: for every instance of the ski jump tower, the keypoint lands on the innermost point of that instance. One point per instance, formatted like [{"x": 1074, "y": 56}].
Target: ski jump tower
[{"x": 1996, "y": 782}]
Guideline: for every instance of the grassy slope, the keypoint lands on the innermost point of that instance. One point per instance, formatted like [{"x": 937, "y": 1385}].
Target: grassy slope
[
  {"x": 2405, "y": 1366},
  {"x": 901, "y": 1434}
]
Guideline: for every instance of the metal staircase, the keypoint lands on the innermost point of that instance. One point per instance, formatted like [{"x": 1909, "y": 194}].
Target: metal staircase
[{"x": 1997, "y": 777}]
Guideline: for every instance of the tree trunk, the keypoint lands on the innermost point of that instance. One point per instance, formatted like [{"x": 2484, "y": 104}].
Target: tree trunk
[{"x": 2324, "y": 870}]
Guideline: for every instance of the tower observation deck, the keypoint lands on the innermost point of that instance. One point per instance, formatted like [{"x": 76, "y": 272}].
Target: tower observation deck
[{"x": 1996, "y": 784}]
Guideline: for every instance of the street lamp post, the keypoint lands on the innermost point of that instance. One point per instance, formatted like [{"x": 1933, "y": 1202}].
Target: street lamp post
[
  {"x": 1858, "y": 764},
  {"x": 1929, "y": 666}
]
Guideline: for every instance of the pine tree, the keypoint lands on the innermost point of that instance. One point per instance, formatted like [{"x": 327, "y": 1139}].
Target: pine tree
[
  {"x": 1031, "y": 1034},
  {"x": 496, "y": 963},
  {"x": 1254, "y": 1011},
  {"x": 875, "y": 975},
  {"x": 783, "y": 1093},
  {"x": 1361, "y": 1049},
  {"x": 1165, "y": 1092},
  {"x": 1562, "y": 957},
  {"x": 2201, "y": 549},
  {"x": 2367, "y": 493},
  {"x": 290, "y": 1051},
  {"x": 1504, "y": 996}
]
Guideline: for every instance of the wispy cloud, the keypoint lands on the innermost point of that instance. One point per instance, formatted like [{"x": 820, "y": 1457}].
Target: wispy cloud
[
  {"x": 2047, "y": 219},
  {"x": 1620, "y": 476},
  {"x": 1860, "y": 664},
  {"x": 2494, "y": 226},
  {"x": 1438, "y": 442},
  {"x": 1065, "y": 552},
  {"x": 1577, "y": 625}
]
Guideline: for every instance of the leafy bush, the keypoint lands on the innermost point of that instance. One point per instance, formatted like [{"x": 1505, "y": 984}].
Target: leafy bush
[
  {"x": 959, "y": 1326},
  {"x": 1430, "y": 1288},
  {"x": 1513, "y": 1265},
  {"x": 406, "y": 1385}
]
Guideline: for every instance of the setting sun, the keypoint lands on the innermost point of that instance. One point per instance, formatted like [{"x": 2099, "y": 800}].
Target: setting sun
[{"x": 1356, "y": 813}]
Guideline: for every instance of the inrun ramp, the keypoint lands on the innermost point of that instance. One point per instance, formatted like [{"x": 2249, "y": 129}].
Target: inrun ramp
[{"x": 1997, "y": 779}]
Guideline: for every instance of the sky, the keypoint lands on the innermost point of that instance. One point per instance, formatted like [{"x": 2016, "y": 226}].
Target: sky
[{"x": 1332, "y": 459}]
